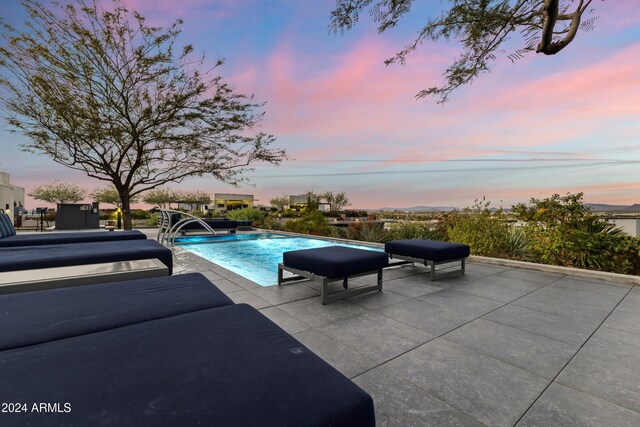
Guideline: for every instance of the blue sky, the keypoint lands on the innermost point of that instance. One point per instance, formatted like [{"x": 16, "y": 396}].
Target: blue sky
[{"x": 543, "y": 125}]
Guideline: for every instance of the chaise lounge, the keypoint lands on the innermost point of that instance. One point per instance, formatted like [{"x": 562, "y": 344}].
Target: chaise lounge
[
  {"x": 167, "y": 351},
  {"x": 62, "y": 255},
  {"x": 430, "y": 253},
  {"x": 331, "y": 264},
  {"x": 9, "y": 238}
]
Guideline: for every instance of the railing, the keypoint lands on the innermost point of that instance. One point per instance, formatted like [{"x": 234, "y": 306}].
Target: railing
[{"x": 167, "y": 232}]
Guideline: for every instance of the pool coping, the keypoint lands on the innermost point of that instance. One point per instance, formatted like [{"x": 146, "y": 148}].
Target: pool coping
[{"x": 625, "y": 279}]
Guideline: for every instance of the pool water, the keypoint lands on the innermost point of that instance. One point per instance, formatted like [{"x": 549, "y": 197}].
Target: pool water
[{"x": 253, "y": 256}]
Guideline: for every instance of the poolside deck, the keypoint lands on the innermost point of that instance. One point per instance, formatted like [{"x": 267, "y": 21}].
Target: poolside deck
[{"x": 499, "y": 346}]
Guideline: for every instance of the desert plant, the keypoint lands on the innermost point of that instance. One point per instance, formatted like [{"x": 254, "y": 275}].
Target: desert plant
[
  {"x": 247, "y": 214},
  {"x": 312, "y": 222},
  {"x": 367, "y": 232}
]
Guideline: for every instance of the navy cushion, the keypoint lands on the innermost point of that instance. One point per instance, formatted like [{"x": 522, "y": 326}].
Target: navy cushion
[
  {"x": 77, "y": 237},
  {"x": 227, "y": 366},
  {"x": 6, "y": 226},
  {"x": 335, "y": 261},
  {"x": 47, "y": 256},
  {"x": 29, "y": 318},
  {"x": 431, "y": 250}
]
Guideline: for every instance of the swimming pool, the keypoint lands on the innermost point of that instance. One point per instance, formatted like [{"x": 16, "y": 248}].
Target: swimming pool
[{"x": 254, "y": 256}]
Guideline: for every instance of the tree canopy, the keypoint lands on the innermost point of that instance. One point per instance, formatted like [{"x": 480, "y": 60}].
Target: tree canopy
[
  {"x": 97, "y": 89},
  {"x": 58, "y": 192},
  {"x": 162, "y": 197},
  {"x": 482, "y": 27},
  {"x": 110, "y": 196},
  {"x": 337, "y": 201},
  {"x": 280, "y": 202}
]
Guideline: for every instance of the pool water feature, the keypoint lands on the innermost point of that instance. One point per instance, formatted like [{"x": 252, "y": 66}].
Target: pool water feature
[{"x": 254, "y": 256}]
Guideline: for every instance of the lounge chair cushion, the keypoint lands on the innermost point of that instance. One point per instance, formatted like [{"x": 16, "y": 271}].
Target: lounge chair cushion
[
  {"x": 6, "y": 226},
  {"x": 227, "y": 366},
  {"x": 336, "y": 261},
  {"x": 77, "y": 237},
  {"x": 47, "y": 256},
  {"x": 30, "y": 318},
  {"x": 431, "y": 250}
]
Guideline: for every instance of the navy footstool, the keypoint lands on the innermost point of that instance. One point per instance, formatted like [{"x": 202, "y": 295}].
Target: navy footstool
[
  {"x": 331, "y": 264},
  {"x": 429, "y": 252}
]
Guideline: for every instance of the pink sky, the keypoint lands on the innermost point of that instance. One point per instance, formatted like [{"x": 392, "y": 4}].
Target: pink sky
[{"x": 543, "y": 125}]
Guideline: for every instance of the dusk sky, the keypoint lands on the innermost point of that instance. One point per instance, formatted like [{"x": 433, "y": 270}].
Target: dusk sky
[{"x": 542, "y": 125}]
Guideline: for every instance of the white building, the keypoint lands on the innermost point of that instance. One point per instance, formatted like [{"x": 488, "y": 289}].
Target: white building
[
  {"x": 630, "y": 226},
  {"x": 11, "y": 196}
]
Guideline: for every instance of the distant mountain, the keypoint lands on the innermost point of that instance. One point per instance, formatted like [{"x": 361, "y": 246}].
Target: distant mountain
[
  {"x": 420, "y": 209},
  {"x": 601, "y": 207}
]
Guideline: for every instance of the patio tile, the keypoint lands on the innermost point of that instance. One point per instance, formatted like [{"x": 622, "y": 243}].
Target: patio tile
[
  {"x": 404, "y": 271},
  {"x": 485, "y": 388},
  {"x": 624, "y": 321},
  {"x": 375, "y": 300},
  {"x": 631, "y": 302},
  {"x": 412, "y": 286},
  {"x": 283, "y": 294},
  {"x": 341, "y": 357},
  {"x": 375, "y": 336},
  {"x": 400, "y": 403},
  {"x": 535, "y": 276},
  {"x": 607, "y": 367},
  {"x": 226, "y": 286},
  {"x": 285, "y": 321},
  {"x": 537, "y": 354},
  {"x": 471, "y": 305},
  {"x": 313, "y": 313},
  {"x": 431, "y": 318},
  {"x": 592, "y": 299},
  {"x": 247, "y": 297},
  {"x": 487, "y": 288},
  {"x": 549, "y": 325},
  {"x": 484, "y": 269},
  {"x": 562, "y": 307},
  {"x": 563, "y": 406},
  {"x": 587, "y": 285}
]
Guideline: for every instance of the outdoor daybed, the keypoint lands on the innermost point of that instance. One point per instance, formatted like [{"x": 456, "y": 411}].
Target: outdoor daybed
[
  {"x": 429, "y": 252},
  {"x": 331, "y": 264},
  {"x": 62, "y": 255},
  {"x": 165, "y": 351}
]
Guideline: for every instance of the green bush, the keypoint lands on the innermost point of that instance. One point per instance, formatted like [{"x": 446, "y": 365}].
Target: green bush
[
  {"x": 485, "y": 231},
  {"x": 406, "y": 230},
  {"x": 152, "y": 221},
  {"x": 247, "y": 214},
  {"x": 312, "y": 222},
  {"x": 563, "y": 231},
  {"x": 272, "y": 223},
  {"x": 367, "y": 232},
  {"x": 140, "y": 214}
]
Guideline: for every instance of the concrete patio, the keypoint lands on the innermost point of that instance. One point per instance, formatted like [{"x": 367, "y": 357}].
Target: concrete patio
[{"x": 499, "y": 346}]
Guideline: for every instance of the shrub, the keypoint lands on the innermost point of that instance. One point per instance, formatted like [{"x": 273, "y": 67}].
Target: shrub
[
  {"x": 367, "y": 232},
  {"x": 312, "y": 222},
  {"x": 486, "y": 232},
  {"x": 247, "y": 214},
  {"x": 139, "y": 214},
  {"x": 272, "y": 224},
  {"x": 414, "y": 230},
  {"x": 152, "y": 221}
]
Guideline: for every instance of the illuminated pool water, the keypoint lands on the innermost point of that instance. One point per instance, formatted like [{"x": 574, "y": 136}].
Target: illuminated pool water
[{"x": 254, "y": 256}]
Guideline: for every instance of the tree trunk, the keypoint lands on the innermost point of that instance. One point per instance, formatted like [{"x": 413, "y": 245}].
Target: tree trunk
[{"x": 126, "y": 209}]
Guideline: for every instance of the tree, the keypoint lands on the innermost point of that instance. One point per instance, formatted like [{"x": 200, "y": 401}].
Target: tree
[
  {"x": 162, "y": 197},
  {"x": 110, "y": 196},
  {"x": 481, "y": 26},
  {"x": 98, "y": 90},
  {"x": 337, "y": 201},
  {"x": 58, "y": 192},
  {"x": 197, "y": 198},
  {"x": 280, "y": 202}
]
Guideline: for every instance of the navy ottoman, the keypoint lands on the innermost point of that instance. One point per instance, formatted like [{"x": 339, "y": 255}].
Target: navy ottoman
[
  {"x": 429, "y": 252},
  {"x": 331, "y": 264}
]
